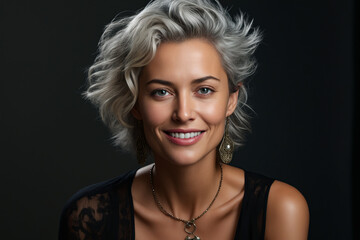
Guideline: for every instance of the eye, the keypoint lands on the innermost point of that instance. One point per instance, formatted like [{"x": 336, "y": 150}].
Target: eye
[
  {"x": 204, "y": 91},
  {"x": 160, "y": 93}
]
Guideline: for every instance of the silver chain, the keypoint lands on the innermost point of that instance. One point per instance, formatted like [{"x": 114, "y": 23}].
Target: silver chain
[{"x": 187, "y": 222}]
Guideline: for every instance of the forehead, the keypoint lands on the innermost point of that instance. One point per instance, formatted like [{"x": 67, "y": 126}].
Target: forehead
[{"x": 188, "y": 59}]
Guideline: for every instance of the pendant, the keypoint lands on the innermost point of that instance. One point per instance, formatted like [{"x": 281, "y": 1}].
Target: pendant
[
  {"x": 194, "y": 237},
  {"x": 190, "y": 228}
]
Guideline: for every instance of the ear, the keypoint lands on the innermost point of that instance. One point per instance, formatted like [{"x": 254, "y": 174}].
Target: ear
[
  {"x": 135, "y": 112},
  {"x": 233, "y": 100}
]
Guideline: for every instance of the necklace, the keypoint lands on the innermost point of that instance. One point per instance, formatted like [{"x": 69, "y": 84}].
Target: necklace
[{"x": 190, "y": 226}]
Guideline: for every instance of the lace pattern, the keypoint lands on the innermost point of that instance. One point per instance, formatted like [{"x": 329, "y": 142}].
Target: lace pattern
[{"x": 89, "y": 217}]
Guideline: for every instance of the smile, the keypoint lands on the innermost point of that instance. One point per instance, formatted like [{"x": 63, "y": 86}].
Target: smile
[{"x": 184, "y": 135}]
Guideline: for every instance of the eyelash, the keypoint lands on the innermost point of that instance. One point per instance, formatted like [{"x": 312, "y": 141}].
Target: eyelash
[
  {"x": 166, "y": 92},
  {"x": 207, "y": 88},
  {"x": 156, "y": 91}
]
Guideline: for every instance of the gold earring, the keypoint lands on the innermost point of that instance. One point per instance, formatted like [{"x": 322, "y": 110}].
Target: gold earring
[
  {"x": 226, "y": 147},
  {"x": 141, "y": 149}
]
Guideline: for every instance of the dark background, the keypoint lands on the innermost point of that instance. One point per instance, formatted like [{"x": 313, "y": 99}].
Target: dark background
[{"x": 53, "y": 143}]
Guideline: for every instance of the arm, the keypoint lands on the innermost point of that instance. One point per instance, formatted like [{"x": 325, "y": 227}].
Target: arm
[{"x": 287, "y": 215}]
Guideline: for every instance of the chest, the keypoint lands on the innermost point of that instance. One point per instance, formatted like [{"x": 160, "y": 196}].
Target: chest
[{"x": 218, "y": 223}]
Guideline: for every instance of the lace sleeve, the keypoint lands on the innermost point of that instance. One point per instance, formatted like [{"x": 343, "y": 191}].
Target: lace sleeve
[
  {"x": 100, "y": 212},
  {"x": 87, "y": 218}
]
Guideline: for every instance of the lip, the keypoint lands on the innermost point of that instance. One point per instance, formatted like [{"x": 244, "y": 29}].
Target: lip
[{"x": 183, "y": 141}]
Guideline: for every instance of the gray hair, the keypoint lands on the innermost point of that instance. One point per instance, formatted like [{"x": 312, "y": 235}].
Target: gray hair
[{"x": 130, "y": 43}]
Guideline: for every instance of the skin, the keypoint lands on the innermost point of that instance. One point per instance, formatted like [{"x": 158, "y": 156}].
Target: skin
[{"x": 186, "y": 87}]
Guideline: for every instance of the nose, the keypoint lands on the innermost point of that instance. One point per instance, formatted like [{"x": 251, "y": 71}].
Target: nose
[{"x": 184, "y": 108}]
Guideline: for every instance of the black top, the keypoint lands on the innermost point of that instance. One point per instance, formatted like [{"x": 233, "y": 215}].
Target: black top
[{"x": 105, "y": 210}]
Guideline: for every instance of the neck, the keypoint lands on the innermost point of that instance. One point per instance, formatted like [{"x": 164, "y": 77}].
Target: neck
[{"x": 186, "y": 191}]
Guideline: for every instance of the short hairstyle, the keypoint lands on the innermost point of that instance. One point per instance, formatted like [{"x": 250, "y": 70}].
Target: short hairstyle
[{"x": 130, "y": 43}]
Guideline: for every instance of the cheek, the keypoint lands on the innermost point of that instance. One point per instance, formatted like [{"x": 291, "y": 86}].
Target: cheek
[
  {"x": 154, "y": 114},
  {"x": 214, "y": 112}
]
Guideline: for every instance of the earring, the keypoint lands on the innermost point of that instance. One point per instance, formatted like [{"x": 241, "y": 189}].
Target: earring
[
  {"x": 141, "y": 149},
  {"x": 226, "y": 147}
]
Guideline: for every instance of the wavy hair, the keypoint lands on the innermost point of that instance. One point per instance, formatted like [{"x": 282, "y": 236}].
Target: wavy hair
[{"x": 130, "y": 43}]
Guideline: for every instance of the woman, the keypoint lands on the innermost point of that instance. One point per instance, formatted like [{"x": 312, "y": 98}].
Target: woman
[{"x": 169, "y": 83}]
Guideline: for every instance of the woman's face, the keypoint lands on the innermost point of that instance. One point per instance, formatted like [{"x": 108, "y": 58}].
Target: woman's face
[{"x": 184, "y": 101}]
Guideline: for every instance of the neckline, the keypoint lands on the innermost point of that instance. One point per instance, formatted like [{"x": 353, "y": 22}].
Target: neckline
[{"x": 132, "y": 211}]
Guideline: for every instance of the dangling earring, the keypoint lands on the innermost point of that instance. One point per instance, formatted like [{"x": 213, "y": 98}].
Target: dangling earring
[
  {"x": 141, "y": 148},
  {"x": 226, "y": 147}
]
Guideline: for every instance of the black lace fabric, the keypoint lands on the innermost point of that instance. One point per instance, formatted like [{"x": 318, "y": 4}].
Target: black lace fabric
[
  {"x": 105, "y": 210},
  {"x": 88, "y": 217},
  {"x": 100, "y": 212}
]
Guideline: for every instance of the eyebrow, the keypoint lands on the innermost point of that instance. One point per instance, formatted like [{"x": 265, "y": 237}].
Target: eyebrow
[{"x": 168, "y": 83}]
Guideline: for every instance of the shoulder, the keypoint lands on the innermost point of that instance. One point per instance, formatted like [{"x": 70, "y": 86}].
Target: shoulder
[
  {"x": 86, "y": 213},
  {"x": 287, "y": 215},
  {"x": 99, "y": 191}
]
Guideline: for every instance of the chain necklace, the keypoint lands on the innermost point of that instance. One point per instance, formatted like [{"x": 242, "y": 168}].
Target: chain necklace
[{"x": 190, "y": 226}]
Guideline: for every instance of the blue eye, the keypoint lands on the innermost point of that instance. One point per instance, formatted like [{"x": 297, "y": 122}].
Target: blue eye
[
  {"x": 205, "y": 91},
  {"x": 159, "y": 93}
]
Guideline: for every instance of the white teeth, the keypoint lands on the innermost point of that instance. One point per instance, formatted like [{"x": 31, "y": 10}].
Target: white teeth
[{"x": 185, "y": 135}]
